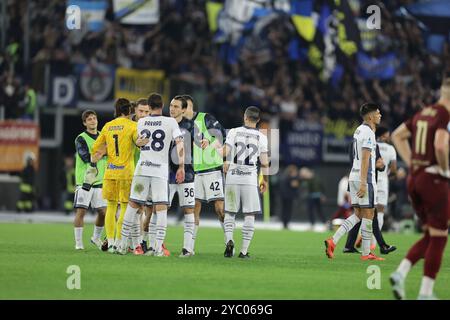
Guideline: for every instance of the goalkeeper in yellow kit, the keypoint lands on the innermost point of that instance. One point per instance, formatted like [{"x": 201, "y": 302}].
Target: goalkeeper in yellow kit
[{"x": 117, "y": 139}]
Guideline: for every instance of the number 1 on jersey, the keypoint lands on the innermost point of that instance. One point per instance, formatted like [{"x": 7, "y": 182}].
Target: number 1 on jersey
[{"x": 116, "y": 143}]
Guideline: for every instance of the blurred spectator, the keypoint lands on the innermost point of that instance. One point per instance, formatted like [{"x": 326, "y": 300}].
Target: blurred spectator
[
  {"x": 68, "y": 181},
  {"x": 343, "y": 200},
  {"x": 30, "y": 103},
  {"x": 315, "y": 195},
  {"x": 27, "y": 185},
  {"x": 289, "y": 191},
  {"x": 399, "y": 195},
  {"x": 263, "y": 73}
]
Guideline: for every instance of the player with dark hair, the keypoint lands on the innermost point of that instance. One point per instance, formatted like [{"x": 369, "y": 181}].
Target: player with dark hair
[
  {"x": 208, "y": 164},
  {"x": 244, "y": 147},
  {"x": 186, "y": 190},
  {"x": 117, "y": 140},
  {"x": 151, "y": 176},
  {"x": 87, "y": 195},
  {"x": 428, "y": 160},
  {"x": 361, "y": 182}
]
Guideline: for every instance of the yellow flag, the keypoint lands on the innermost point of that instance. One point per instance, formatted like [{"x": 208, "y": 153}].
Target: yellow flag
[
  {"x": 305, "y": 26},
  {"x": 212, "y": 10}
]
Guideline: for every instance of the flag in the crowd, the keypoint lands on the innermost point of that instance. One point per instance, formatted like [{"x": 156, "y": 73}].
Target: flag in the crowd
[
  {"x": 136, "y": 11},
  {"x": 212, "y": 11},
  {"x": 301, "y": 15},
  {"x": 92, "y": 13},
  {"x": 376, "y": 67},
  {"x": 434, "y": 14}
]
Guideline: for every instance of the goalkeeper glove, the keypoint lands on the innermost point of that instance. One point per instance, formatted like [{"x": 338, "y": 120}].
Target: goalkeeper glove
[{"x": 89, "y": 177}]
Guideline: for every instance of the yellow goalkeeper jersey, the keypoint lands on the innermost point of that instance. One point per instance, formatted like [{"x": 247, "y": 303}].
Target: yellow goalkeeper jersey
[{"x": 119, "y": 137}]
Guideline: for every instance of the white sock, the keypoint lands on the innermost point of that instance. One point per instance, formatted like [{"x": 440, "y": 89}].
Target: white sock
[
  {"x": 404, "y": 267},
  {"x": 194, "y": 236},
  {"x": 189, "y": 226},
  {"x": 152, "y": 232},
  {"x": 78, "y": 236},
  {"x": 380, "y": 217},
  {"x": 248, "y": 229},
  {"x": 348, "y": 224},
  {"x": 111, "y": 242},
  {"x": 222, "y": 224},
  {"x": 373, "y": 242},
  {"x": 161, "y": 227},
  {"x": 426, "y": 288},
  {"x": 366, "y": 234},
  {"x": 97, "y": 232},
  {"x": 229, "y": 224},
  {"x": 128, "y": 225},
  {"x": 136, "y": 232}
]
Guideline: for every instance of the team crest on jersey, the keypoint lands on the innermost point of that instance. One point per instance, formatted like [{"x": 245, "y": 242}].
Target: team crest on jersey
[{"x": 138, "y": 188}]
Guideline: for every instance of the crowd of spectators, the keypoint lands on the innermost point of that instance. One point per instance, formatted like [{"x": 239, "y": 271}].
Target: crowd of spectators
[{"x": 183, "y": 46}]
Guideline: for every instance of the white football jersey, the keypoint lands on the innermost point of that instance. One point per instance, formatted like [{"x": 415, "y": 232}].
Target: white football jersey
[
  {"x": 154, "y": 157},
  {"x": 246, "y": 146},
  {"x": 388, "y": 154},
  {"x": 363, "y": 138}
]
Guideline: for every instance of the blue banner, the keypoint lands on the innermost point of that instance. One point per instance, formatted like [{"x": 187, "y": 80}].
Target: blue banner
[
  {"x": 376, "y": 67},
  {"x": 302, "y": 144}
]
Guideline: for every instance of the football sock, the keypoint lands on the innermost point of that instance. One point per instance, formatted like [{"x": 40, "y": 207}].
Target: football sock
[
  {"x": 189, "y": 225},
  {"x": 127, "y": 225},
  {"x": 136, "y": 231},
  {"x": 248, "y": 229},
  {"x": 418, "y": 250},
  {"x": 377, "y": 235},
  {"x": 222, "y": 224},
  {"x": 366, "y": 235},
  {"x": 161, "y": 226},
  {"x": 229, "y": 224},
  {"x": 97, "y": 232},
  {"x": 123, "y": 209},
  {"x": 194, "y": 237},
  {"x": 380, "y": 217},
  {"x": 348, "y": 224},
  {"x": 78, "y": 236},
  {"x": 404, "y": 267},
  {"x": 110, "y": 221},
  {"x": 352, "y": 236},
  {"x": 426, "y": 287},
  {"x": 433, "y": 256},
  {"x": 152, "y": 232}
]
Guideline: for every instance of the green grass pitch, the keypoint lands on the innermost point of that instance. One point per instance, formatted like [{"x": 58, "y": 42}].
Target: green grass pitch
[{"x": 285, "y": 265}]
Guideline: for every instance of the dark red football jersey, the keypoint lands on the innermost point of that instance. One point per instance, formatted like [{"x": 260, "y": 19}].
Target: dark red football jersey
[{"x": 423, "y": 126}]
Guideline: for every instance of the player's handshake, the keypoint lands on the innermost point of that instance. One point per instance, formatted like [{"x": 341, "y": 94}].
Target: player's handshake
[{"x": 90, "y": 176}]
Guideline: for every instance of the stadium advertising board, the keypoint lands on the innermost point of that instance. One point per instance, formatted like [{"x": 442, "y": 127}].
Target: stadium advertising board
[
  {"x": 302, "y": 143},
  {"x": 134, "y": 84},
  {"x": 16, "y": 140}
]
